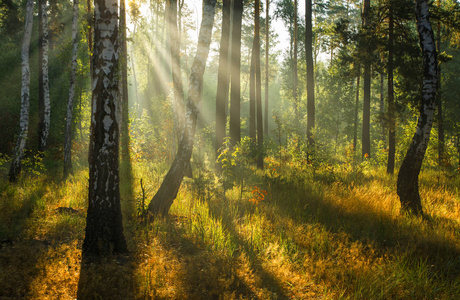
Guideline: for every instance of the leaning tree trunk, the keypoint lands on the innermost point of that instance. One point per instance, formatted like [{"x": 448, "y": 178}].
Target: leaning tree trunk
[
  {"x": 169, "y": 188},
  {"x": 104, "y": 229},
  {"x": 235, "y": 67},
  {"x": 44, "y": 107},
  {"x": 407, "y": 185},
  {"x": 223, "y": 80},
  {"x": 25, "y": 94},
  {"x": 310, "y": 76},
  {"x": 73, "y": 79}
]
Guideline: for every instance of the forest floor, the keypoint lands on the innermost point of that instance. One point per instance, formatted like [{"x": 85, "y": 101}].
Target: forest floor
[{"x": 289, "y": 232}]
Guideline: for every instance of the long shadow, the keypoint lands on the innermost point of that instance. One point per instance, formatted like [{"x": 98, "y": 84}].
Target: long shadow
[
  {"x": 370, "y": 227},
  {"x": 204, "y": 275},
  {"x": 272, "y": 283}
]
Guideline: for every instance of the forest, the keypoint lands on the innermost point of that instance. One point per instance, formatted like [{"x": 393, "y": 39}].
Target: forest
[{"x": 231, "y": 149}]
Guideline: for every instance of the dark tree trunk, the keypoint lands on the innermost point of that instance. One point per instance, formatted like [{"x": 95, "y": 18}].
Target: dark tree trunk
[
  {"x": 235, "y": 66},
  {"x": 391, "y": 97},
  {"x": 407, "y": 186},
  {"x": 366, "y": 137},
  {"x": 70, "y": 103},
  {"x": 441, "y": 138},
  {"x": 260, "y": 129},
  {"x": 223, "y": 80},
  {"x": 44, "y": 108},
  {"x": 15, "y": 167},
  {"x": 310, "y": 76},
  {"x": 295, "y": 88},
  {"x": 104, "y": 229},
  {"x": 124, "y": 85},
  {"x": 267, "y": 67},
  {"x": 169, "y": 188}
]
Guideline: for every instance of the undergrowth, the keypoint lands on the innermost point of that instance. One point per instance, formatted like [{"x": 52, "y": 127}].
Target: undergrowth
[{"x": 293, "y": 231}]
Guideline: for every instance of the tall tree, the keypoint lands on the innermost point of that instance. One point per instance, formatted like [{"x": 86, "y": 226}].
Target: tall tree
[
  {"x": 267, "y": 67},
  {"x": 252, "y": 96},
  {"x": 441, "y": 137},
  {"x": 310, "y": 74},
  {"x": 235, "y": 67},
  {"x": 104, "y": 228},
  {"x": 223, "y": 78},
  {"x": 260, "y": 129},
  {"x": 15, "y": 167},
  {"x": 124, "y": 99},
  {"x": 391, "y": 97},
  {"x": 366, "y": 137},
  {"x": 355, "y": 126},
  {"x": 407, "y": 184},
  {"x": 167, "y": 192},
  {"x": 295, "y": 88},
  {"x": 73, "y": 79},
  {"x": 44, "y": 107}
]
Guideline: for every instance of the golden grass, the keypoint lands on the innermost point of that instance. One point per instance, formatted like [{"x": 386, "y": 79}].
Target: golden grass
[{"x": 315, "y": 235}]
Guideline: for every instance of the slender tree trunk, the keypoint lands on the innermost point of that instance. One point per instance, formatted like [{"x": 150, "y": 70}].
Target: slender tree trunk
[
  {"x": 25, "y": 94},
  {"x": 169, "y": 188},
  {"x": 223, "y": 80},
  {"x": 90, "y": 21},
  {"x": 310, "y": 75},
  {"x": 441, "y": 137},
  {"x": 252, "y": 96},
  {"x": 355, "y": 130},
  {"x": 73, "y": 79},
  {"x": 44, "y": 107},
  {"x": 382, "y": 105},
  {"x": 235, "y": 66},
  {"x": 124, "y": 84},
  {"x": 104, "y": 228},
  {"x": 260, "y": 129},
  {"x": 267, "y": 67},
  {"x": 366, "y": 138},
  {"x": 391, "y": 97},
  {"x": 407, "y": 185},
  {"x": 295, "y": 88}
]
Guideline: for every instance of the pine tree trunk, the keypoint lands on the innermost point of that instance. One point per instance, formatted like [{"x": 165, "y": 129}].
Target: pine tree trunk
[
  {"x": 260, "y": 129},
  {"x": 169, "y": 188},
  {"x": 441, "y": 137},
  {"x": 124, "y": 85},
  {"x": 407, "y": 186},
  {"x": 44, "y": 107},
  {"x": 310, "y": 76},
  {"x": 252, "y": 96},
  {"x": 267, "y": 67},
  {"x": 366, "y": 138},
  {"x": 104, "y": 229},
  {"x": 235, "y": 66},
  {"x": 223, "y": 80},
  {"x": 295, "y": 88},
  {"x": 73, "y": 79},
  {"x": 15, "y": 167},
  {"x": 355, "y": 127},
  {"x": 391, "y": 97}
]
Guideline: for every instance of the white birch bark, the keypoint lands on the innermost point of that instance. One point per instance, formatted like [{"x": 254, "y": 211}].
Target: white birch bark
[
  {"x": 167, "y": 192},
  {"x": 73, "y": 75},
  {"x": 25, "y": 90},
  {"x": 407, "y": 185},
  {"x": 45, "y": 106}
]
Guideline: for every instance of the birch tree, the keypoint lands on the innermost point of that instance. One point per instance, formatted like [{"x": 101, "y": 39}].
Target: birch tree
[
  {"x": 44, "y": 107},
  {"x": 25, "y": 94},
  {"x": 407, "y": 184},
  {"x": 73, "y": 78},
  {"x": 104, "y": 229},
  {"x": 167, "y": 192}
]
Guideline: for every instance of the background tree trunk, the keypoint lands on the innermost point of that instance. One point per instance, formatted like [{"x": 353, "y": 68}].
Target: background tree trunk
[
  {"x": 44, "y": 107},
  {"x": 223, "y": 80},
  {"x": 267, "y": 66},
  {"x": 252, "y": 96},
  {"x": 310, "y": 76},
  {"x": 391, "y": 97},
  {"x": 15, "y": 167},
  {"x": 441, "y": 137},
  {"x": 355, "y": 126},
  {"x": 366, "y": 137},
  {"x": 235, "y": 88},
  {"x": 124, "y": 85},
  {"x": 295, "y": 88},
  {"x": 407, "y": 186},
  {"x": 260, "y": 129},
  {"x": 169, "y": 188},
  {"x": 104, "y": 229},
  {"x": 73, "y": 79}
]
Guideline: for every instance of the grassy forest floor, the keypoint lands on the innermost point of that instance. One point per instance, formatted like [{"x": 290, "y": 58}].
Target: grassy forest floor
[{"x": 289, "y": 232}]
